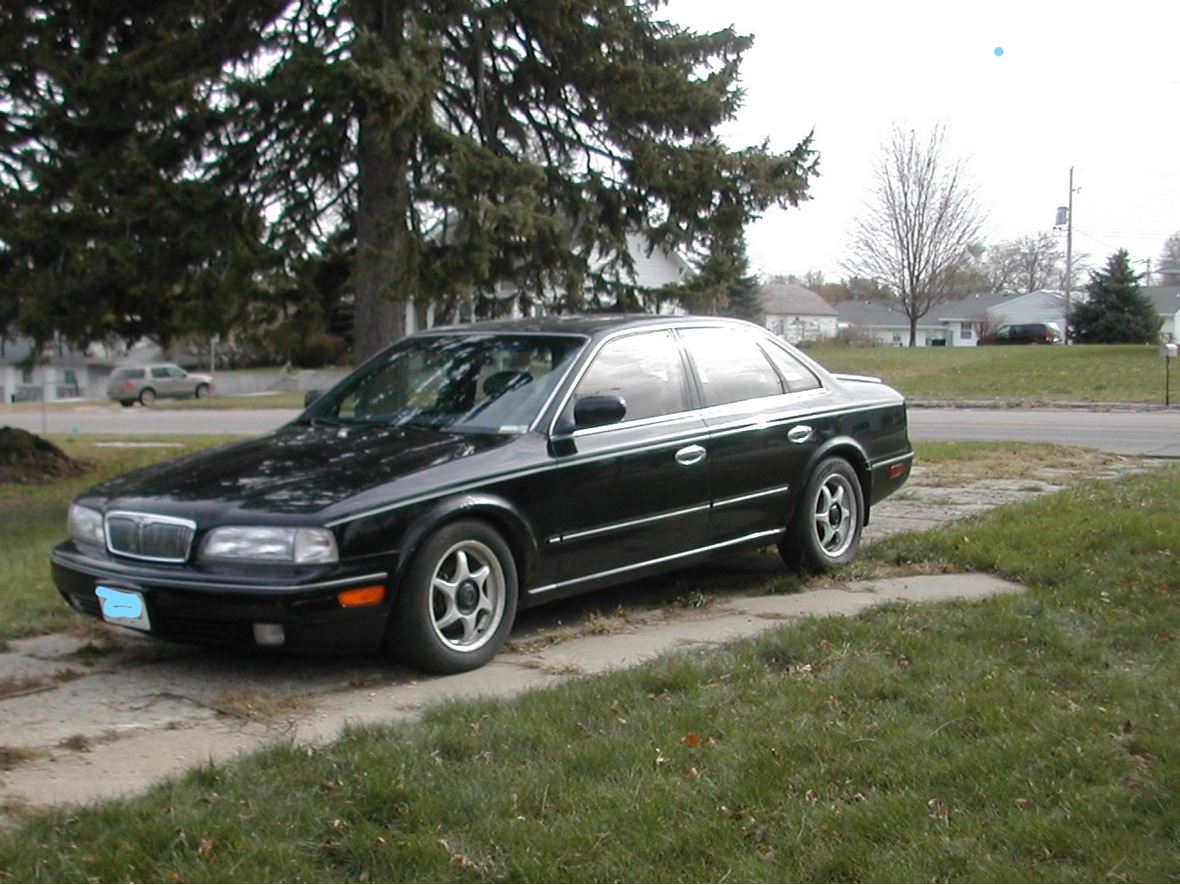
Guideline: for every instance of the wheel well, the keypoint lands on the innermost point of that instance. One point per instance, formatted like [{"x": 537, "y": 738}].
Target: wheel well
[
  {"x": 857, "y": 459},
  {"x": 501, "y": 522}
]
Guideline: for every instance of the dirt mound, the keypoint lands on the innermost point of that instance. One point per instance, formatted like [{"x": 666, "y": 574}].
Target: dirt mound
[{"x": 25, "y": 457}]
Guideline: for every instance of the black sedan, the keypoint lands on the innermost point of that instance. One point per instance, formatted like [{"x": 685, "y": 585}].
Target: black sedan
[{"x": 469, "y": 471}]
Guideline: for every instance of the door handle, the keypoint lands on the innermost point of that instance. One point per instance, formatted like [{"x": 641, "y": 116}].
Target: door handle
[
  {"x": 799, "y": 434},
  {"x": 690, "y": 455}
]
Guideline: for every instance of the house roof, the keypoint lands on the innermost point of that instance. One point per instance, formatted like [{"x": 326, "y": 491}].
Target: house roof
[
  {"x": 1165, "y": 298},
  {"x": 874, "y": 313},
  {"x": 973, "y": 307},
  {"x": 780, "y": 298}
]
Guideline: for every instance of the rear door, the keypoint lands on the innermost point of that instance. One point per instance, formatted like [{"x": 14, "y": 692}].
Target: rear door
[
  {"x": 760, "y": 433},
  {"x": 637, "y": 491}
]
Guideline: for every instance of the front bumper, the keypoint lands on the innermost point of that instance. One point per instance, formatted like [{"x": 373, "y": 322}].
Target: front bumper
[{"x": 188, "y": 606}]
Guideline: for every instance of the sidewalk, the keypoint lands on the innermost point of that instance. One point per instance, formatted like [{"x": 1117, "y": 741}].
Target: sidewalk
[{"x": 141, "y": 756}]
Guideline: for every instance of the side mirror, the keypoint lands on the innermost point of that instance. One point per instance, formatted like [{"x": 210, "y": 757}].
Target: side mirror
[
  {"x": 595, "y": 411},
  {"x": 310, "y": 397}
]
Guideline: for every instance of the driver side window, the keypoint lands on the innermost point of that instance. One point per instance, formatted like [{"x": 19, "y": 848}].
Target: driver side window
[{"x": 645, "y": 370}]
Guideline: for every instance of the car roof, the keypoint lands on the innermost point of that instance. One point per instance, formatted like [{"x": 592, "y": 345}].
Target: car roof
[{"x": 577, "y": 324}]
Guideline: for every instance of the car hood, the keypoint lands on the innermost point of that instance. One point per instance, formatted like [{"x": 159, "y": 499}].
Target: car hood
[{"x": 298, "y": 469}]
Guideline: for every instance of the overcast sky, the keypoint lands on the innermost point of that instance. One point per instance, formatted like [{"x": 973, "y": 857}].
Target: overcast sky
[{"x": 1094, "y": 86}]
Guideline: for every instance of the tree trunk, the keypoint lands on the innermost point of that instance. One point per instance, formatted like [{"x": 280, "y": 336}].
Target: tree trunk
[
  {"x": 381, "y": 270},
  {"x": 913, "y": 331}
]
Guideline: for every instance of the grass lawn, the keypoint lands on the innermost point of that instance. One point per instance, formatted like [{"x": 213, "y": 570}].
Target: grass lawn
[
  {"x": 33, "y": 520},
  {"x": 1034, "y": 737},
  {"x": 1088, "y": 372}
]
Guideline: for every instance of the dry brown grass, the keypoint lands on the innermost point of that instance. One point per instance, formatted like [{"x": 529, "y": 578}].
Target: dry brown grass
[
  {"x": 1041, "y": 462},
  {"x": 256, "y": 705},
  {"x": 10, "y": 756}
]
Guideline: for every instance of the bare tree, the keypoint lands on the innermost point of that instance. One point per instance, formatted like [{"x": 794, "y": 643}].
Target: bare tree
[
  {"x": 919, "y": 224},
  {"x": 1170, "y": 261}
]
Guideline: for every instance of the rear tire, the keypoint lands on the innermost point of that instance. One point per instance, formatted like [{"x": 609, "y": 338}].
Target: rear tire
[
  {"x": 126, "y": 403},
  {"x": 457, "y": 601},
  {"x": 825, "y": 530}
]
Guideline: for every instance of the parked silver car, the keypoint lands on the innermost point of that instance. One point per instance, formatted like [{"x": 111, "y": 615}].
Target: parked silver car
[{"x": 145, "y": 383}]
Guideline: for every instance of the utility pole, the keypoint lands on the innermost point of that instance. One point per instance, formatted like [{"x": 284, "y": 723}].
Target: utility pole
[{"x": 1068, "y": 252}]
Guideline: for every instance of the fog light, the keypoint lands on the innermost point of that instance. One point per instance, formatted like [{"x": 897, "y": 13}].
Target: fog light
[{"x": 269, "y": 634}]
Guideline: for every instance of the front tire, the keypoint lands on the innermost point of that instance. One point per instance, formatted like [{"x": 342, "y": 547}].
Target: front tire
[
  {"x": 147, "y": 396},
  {"x": 457, "y": 601},
  {"x": 825, "y": 530},
  {"x": 202, "y": 391}
]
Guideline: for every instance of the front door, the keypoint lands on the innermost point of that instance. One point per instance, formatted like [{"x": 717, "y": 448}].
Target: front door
[{"x": 634, "y": 492}]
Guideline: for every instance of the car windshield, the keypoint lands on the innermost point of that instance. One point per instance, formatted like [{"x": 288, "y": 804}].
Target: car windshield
[{"x": 479, "y": 382}]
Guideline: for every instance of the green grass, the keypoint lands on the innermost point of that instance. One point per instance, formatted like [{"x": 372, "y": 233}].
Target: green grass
[
  {"x": 1033, "y": 737},
  {"x": 33, "y": 521},
  {"x": 1089, "y": 373}
]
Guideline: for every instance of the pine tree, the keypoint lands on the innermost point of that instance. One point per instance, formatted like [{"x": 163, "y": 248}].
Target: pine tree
[
  {"x": 1117, "y": 312},
  {"x": 723, "y": 285},
  {"x": 158, "y": 157},
  {"x": 109, "y": 220}
]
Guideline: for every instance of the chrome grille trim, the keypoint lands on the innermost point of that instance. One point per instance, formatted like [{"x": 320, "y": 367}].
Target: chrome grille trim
[{"x": 148, "y": 536}]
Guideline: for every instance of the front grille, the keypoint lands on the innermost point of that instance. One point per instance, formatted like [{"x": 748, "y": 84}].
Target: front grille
[{"x": 145, "y": 536}]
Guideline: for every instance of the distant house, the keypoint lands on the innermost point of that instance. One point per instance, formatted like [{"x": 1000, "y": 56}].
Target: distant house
[
  {"x": 654, "y": 269},
  {"x": 1167, "y": 304},
  {"x": 59, "y": 371},
  {"x": 950, "y": 324},
  {"x": 964, "y": 321},
  {"x": 887, "y": 325},
  {"x": 796, "y": 313}
]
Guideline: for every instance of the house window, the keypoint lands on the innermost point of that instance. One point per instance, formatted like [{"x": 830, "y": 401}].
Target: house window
[
  {"x": 965, "y": 333},
  {"x": 896, "y": 338},
  {"x": 26, "y": 376}
]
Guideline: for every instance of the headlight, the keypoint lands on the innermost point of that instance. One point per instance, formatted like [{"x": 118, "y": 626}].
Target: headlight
[
  {"x": 86, "y": 526},
  {"x": 270, "y": 544}
]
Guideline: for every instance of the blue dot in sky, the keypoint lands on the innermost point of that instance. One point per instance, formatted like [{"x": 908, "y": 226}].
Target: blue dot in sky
[{"x": 999, "y": 51}]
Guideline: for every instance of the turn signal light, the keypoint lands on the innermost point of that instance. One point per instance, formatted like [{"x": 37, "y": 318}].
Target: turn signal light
[
  {"x": 897, "y": 470},
  {"x": 362, "y": 596}
]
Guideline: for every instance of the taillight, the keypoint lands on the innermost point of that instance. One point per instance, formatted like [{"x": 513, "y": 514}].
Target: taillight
[{"x": 127, "y": 385}]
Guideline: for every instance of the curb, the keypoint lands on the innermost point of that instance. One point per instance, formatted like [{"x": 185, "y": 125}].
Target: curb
[{"x": 1062, "y": 405}]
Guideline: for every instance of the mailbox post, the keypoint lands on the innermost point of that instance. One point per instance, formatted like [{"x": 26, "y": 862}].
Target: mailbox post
[{"x": 1168, "y": 351}]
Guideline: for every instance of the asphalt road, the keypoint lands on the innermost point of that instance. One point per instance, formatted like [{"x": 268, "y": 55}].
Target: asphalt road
[{"x": 1152, "y": 434}]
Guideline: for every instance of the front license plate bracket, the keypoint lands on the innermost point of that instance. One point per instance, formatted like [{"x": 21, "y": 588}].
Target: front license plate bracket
[{"x": 124, "y": 608}]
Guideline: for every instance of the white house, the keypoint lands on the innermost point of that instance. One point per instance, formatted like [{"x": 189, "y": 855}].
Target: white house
[
  {"x": 796, "y": 313},
  {"x": 653, "y": 270},
  {"x": 950, "y": 324},
  {"x": 1167, "y": 304},
  {"x": 58, "y": 372}
]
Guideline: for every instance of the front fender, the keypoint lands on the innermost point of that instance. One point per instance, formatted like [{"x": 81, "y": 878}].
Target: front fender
[{"x": 500, "y": 513}]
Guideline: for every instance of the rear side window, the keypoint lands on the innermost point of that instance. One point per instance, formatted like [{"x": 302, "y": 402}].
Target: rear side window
[
  {"x": 730, "y": 366},
  {"x": 792, "y": 370},
  {"x": 120, "y": 374},
  {"x": 645, "y": 370}
]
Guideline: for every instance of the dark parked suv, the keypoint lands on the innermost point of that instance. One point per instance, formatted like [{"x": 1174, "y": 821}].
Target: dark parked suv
[{"x": 1025, "y": 333}]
